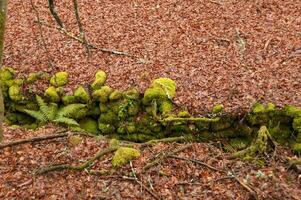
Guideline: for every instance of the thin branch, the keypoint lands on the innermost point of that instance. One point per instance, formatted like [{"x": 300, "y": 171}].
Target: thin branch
[
  {"x": 42, "y": 138},
  {"x": 164, "y": 156},
  {"x": 54, "y": 13},
  {"x": 80, "y": 27},
  {"x": 92, "y": 46},
  {"x": 197, "y": 162},
  {"x": 88, "y": 163},
  {"x": 50, "y": 60}
]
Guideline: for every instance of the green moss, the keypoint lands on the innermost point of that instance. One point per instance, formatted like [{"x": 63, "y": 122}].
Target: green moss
[
  {"x": 115, "y": 95},
  {"x": 82, "y": 95},
  {"x": 80, "y": 114},
  {"x": 217, "y": 109},
  {"x": 102, "y": 94},
  {"x": 258, "y": 148},
  {"x": 90, "y": 125},
  {"x": 7, "y": 73},
  {"x": 184, "y": 114},
  {"x": 165, "y": 107},
  {"x": 133, "y": 94},
  {"x": 161, "y": 89},
  {"x": 108, "y": 118},
  {"x": 114, "y": 143},
  {"x": 68, "y": 99},
  {"x": 222, "y": 124},
  {"x": 52, "y": 95},
  {"x": 59, "y": 79},
  {"x": 34, "y": 76},
  {"x": 75, "y": 140},
  {"x": 239, "y": 143},
  {"x": 103, "y": 108},
  {"x": 100, "y": 79},
  {"x": 124, "y": 155},
  {"x": 15, "y": 93},
  {"x": 292, "y": 111},
  {"x": 133, "y": 108},
  {"x": 18, "y": 118},
  {"x": 18, "y": 82},
  {"x": 297, "y": 124},
  {"x": 131, "y": 128},
  {"x": 106, "y": 128},
  {"x": 281, "y": 133},
  {"x": 258, "y": 108},
  {"x": 297, "y": 148}
]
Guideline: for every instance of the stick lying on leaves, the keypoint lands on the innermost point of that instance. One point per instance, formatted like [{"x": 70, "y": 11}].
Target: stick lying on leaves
[
  {"x": 60, "y": 134},
  {"x": 83, "y": 166}
]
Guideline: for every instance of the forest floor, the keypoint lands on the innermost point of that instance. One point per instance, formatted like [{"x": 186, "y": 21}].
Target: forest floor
[
  {"x": 229, "y": 52},
  {"x": 171, "y": 178}
]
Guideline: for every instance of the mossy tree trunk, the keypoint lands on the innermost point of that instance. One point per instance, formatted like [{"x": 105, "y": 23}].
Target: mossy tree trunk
[{"x": 3, "y": 9}]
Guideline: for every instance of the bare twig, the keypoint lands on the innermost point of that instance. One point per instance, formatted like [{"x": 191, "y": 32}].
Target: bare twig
[
  {"x": 50, "y": 60},
  {"x": 80, "y": 27},
  {"x": 250, "y": 190},
  {"x": 60, "y": 134},
  {"x": 164, "y": 156},
  {"x": 54, "y": 13},
  {"x": 197, "y": 162},
  {"x": 92, "y": 46},
  {"x": 83, "y": 166}
]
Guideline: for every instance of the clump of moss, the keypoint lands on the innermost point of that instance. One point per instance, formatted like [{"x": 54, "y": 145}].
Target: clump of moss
[
  {"x": 34, "y": 76},
  {"x": 292, "y": 111},
  {"x": 297, "y": 148},
  {"x": 52, "y": 95},
  {"x": 124, "y": 155},
  {"x": 90, "y": 125},
  {"x": 15, "y": 93},
  {"x": 106, "y": 128},
  {"x": 75, "y": 140},
  {"x": 222, "y": 124},
  {"x": 239, "y": 143},
  {"x": 102, "y": 94},
  {"x": 7, "y": 73},
  {"x": 261, "y": 114},
  {"x": 100, "y": 79},
  {"x": 108, "y": 118},
  {"x": 217, "y": 109},
  {"x": 132, "y": 94},
  {"x": 161, "y": 89},
  {"x": 297, "y": 124},
  {"x": 68, "y": 99},
  {"x": 115, "y": 95},
  {"x": 59, "y": 79},
  {"x": 82, "y": 95},
  {"x": 281, "y": 133},
  {"x": 159, "y": 96}
]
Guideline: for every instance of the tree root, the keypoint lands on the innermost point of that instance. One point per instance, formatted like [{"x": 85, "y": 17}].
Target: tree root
[
  {"x": 83, "y": 166},
  {"x": 61, "y": 134}
]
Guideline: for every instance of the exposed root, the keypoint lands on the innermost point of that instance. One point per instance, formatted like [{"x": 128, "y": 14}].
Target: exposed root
[
  {"x": 83, "y": 166},
  {"x": 258, "y": 147}
]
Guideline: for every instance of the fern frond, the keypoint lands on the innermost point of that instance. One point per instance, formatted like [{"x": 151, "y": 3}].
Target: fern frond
[
  {"x": 66, "y": 121},
  {"x": 52, "y": 111},
  {"x": 42, "y": 105},
  {"x": 38, "y": 115},
  {"x": 70, "y": 109}
]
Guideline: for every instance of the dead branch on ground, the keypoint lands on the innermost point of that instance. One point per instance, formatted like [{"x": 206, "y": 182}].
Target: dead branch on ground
[
  {"x": 54, "y": 13},
  {"x": 60, "y": 134},
  {"x": 88, "y": 163}
]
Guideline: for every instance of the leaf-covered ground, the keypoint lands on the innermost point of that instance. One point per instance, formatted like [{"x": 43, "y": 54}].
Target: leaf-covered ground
[
  {"x": 170, "y": 179},
  {"x": 232, "y": 52}
]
